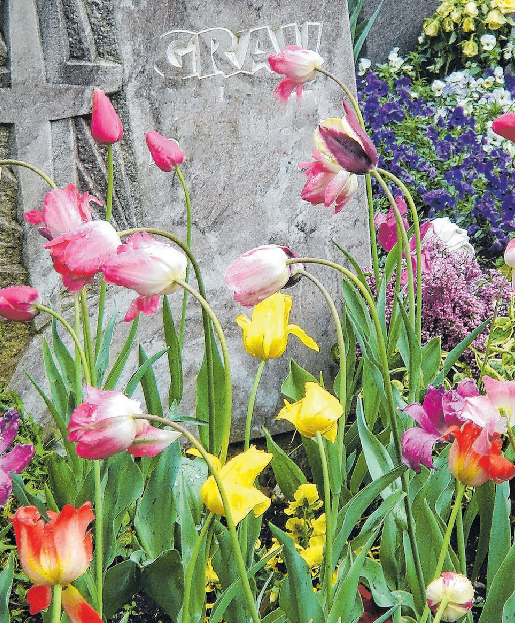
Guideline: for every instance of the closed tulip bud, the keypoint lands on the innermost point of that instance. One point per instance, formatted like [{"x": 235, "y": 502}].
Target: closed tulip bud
[
  {"x": 505, "y": 126},
  {"x": 297, "y": 65},
  {"x": 18, "y": 303},
  {"x": 456, "y": 589},
  {"x": 106, "y": 126},
  {"x": 448, "y": 24},
  {"x": 166, "y": 154}
]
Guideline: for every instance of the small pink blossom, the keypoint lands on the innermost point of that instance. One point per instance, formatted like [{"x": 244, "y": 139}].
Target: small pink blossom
[
  {"x": 297, "y": 65},
  {"x": 18, "y": 303},
  {"x": 261, "y": 272},
  {"x": 78, "y": 253},
  {"x": 63, "y": 209},
  {"x": 107, "y": 423},
  {"x": 166, "y": 153},
  {"x": 106, "y": 126}
]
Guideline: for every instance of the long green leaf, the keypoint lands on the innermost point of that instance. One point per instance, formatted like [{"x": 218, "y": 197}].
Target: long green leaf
[
  {"x": 57, "y": 386},
  {"x": 355, "y": 265},
  {"x": 121, "y": 582},
  {"x": 66, "y": 361},
  {"x": 174, "y": 354},
  {"x": 485, "y": 497},
  {"x": 102, "y": 359},
  {"x": 121, "y": 360},
  {"x": 288, "y": 474},
  {"x": 141, "y": 371},
  {"x": 501, "y": 589},
  {"x": 163, "y": 581},
  {"x": 500, "y": 535},
  {"x": 359, "y": 43},
  {"x": 6, "y": 581},
  {"x": 149, "y": 385}
]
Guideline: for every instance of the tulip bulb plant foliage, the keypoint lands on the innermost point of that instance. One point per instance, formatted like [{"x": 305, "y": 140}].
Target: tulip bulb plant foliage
[{"x": 399, "y": 472}]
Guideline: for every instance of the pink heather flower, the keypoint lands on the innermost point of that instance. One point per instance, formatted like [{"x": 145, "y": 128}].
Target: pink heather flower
[
  {"x": 63, "y": 209},
  {"x": 327, "y": 182},
  {"x": 15, "y": 460},
  {"x": 456, "y": 589},
  {"x": 261, "y": 272},
  {"x": 166, "y": 153},
  {"x": 148, "y": 266},
  {"x": 78, "y": 253},
  {"x": 345, "y": 142},
  {"x": 107, "y": 423},
  {"x": 18, "y": 303},
  {"x": 505, "y": 126},
  {"x": 297, "y": 65},
  {"x": 106, "y": 126}
]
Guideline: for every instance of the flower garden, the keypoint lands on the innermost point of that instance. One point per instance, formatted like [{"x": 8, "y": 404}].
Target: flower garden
[{"x": 392, "y": 502}]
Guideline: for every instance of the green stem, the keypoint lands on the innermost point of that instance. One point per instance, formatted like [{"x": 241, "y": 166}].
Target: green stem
[
  {"x": 56, "y": 603},
  {"x": 328, "y": 554},
  {"x": 490, "y": 333},
  {"x": 227, "y": 413},
  {"x": 206, "y": 324},
  {"x": 441, "y": 609},
  {"x": 252, "y": 399},
  {"x": 225, "y": 502},
  {"x": 78, "y": 371},
  {"x": 188, "y": 244},
  {"x": 110, "y": 179},
  {"x": 88, "y": 346},
  {"x": 346, "y": 89},
  {"x": 416, "y": 226},
  {"x": 100, "y": 317},
  {"x": 21, "y": 163},
  {"x": 461, "y": 543},
  {"x": 78, "y": 345},
  {"x": 372, "y": 229},
  {"x": 510, "y": 436},
  {"x": 99, "y": 537},
  {"x": 390, "y": 401},
  {"x": 188, "y": 575}
]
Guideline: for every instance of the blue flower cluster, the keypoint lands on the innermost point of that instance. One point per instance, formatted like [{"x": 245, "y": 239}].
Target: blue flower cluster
[{"x": 439, "y": 151}]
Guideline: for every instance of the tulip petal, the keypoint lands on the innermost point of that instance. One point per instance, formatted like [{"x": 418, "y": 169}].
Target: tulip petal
[
  {"x": 150, "y": 440},
  {"x": 39, "y": 598},
  {"x": 6, "y": 486},
  {"x": 77, "y": 609},
  {"x": 303, "y": 336},
  {"x": 147, "y": 305},
  {"x": 9, "y": 424},
  {"x": 17, "y": 459},
  {"x": 417, "y": 447}
]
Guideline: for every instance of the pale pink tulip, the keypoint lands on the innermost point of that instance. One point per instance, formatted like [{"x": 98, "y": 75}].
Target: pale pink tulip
[{"x": 297, "y": 65}]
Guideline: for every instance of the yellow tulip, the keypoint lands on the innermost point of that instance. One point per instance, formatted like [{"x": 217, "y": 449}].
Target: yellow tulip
[
  {"x": 505, "y": 6},
  {"x": 238, "y": 477},
  {"x": 318, "y": 411},
  {"x": 468, "y": 25},
  {"x": 266, "y": 335}
]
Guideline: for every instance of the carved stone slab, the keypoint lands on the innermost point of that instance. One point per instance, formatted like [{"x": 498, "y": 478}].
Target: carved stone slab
[{"x": 196, "y": 72}]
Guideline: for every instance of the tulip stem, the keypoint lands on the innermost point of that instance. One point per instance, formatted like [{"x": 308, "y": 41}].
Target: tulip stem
[
  {"x": 441, "y": 609},
  {"x": 21, "y": 163},
  {"x": 346, "y": 89},
  {"x": 110, "y": 179},
  {"x": 206, "y": 324},
  {"x": 371, "y": 226},
  {"x": 78, "y": 373},
  {"x": 328, "y": 554},
  {"x": 225, "y": 502},
  {"x": 510, "y": 436},
  {"x": 78, "y": 345},
  {"x": 56, "y": 603},
  {"x": 86, "y": 329},
  {"x": 252, "y": 399},
  {"x": 188, "y": 244},
  {"x": 99, "y": 537},
  {"x": 490, "y": 334}
]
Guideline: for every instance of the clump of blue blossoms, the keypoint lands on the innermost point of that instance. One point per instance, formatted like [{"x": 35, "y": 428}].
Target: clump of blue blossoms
[{"x": 437, "y": 139}]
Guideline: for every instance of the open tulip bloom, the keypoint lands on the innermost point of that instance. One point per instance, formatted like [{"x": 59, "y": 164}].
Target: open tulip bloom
[{"x": 298, "y": 66}]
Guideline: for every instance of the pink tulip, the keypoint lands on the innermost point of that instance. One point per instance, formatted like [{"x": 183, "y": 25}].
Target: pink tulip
[
  {"x": 18, "y": 303},
  {"x": 345, "y": 141},
  {"x": 505, "y": 126},
  {"x": 387, "y": 232},
  {"x": 327, "y": 182},
  {"x": 297, "y": 65},
  {"x": 107, "y": 423},
  {"x": 78, "y": 253},
  {"x": 509, "y": 253},
  {"x": 148, "y": 266},
  {"x": 63, "y": 209},
  {"x": 502, "y": 395},
  {"x": 166, "y": 154},
  {"x": 261, "y": 272},
  {"x": 106, "y": 126}
]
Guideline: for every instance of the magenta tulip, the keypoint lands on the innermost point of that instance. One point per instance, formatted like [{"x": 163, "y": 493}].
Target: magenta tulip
[
  {"x": 166, "y": 153},
  {"x": 106, "y": 126}
]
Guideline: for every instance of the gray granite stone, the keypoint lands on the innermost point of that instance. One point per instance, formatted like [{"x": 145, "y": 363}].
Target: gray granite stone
[
  {"x": 196, "y": 72},
  {"x": 398, "y": 24}
]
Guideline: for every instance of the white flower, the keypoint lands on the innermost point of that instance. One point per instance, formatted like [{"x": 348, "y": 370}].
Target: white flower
[
  {"x": 364, "y": 65},
  {"x": 394, "y": 60},
  {"x": 499, "y": 74},
  {"x": 507, "y": 51},
  {"x": 450, "y": 236},
  {"x": 437, "y": 87},
  {"x": 488, "y": 42}
]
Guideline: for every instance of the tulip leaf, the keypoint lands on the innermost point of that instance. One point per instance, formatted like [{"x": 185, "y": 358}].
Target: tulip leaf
[
  {"x": 484, "y": 497},
  {"x": 156, "y": 510},
  {"x": 25, "y": 497},
  {"x": 57, "y": 386},
  {"x": 61, "y": 479},
  {"x": 102, "y": 357},
  {"x": 294, "y": 385},
  {"x": 500, "y": 590},
  {"x": 500, "y": 534},
  {"x": 287, "y": 473},
  {"x": 409, "y": 349},
  {"x": 431, "y": 359},
  {"x": 121, "y": 582},
  {"x": 163, "y": 581},
  {"x": 508, "y": 612},
  {"x": 121, "y": 360},
  {"x": 66, "y": 361},
  {"x": 296, "y": 597},
  {"x": 6, "y": 580},
  {"x": 355, "y": 265},
  {"x": 149, "y": 386},
  {"x": 130, "y": 388},
  {"x": 174, "y": 354}
]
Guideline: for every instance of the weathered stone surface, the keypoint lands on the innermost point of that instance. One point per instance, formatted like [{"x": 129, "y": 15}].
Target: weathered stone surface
[
  {"x": 196, "y": 72},
  {"x": 398, "y": 24}
]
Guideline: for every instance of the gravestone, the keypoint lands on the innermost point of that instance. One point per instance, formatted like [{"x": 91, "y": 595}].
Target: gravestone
[{"x": 197, "y": 72}]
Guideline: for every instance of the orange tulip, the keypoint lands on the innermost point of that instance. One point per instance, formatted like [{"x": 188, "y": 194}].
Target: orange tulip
[{"x": 56, "y": 552}]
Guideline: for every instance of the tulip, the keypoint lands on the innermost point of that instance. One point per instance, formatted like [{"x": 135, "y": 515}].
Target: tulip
[
  {"x": 505, "y": 127},
  {"x": 327, "y": 182},
  {"x": 107, "y": 423},
  {"x": 15, "y": 460},
  {"x": 259, "y": 273},
  {"x": 452, "y": 238},
  {"x": 345, "y": 142},
  {"x": 57, "y": 552},
  {"x": 318, "y": 411},
  {"x": 506, "y": 6},
  {"x": 431, "y": 27},
  {"x": 238, "y": 477},
  {"x": 78, "y": 253},
  {"x": 166, "y": 154},
  {"x": 106, "y": 126},
  {"x": 387, "y": 225},
  {"x": 456, "y": 589},
  {"x": 298, "y": 66},
  {"x": 502, "y": 395},
  {"x": 266, "y": 335},
  {"x": 63, "y": 209},
  {"x": 18, "y": 303},
  {"x": 148, "y": 266}
]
